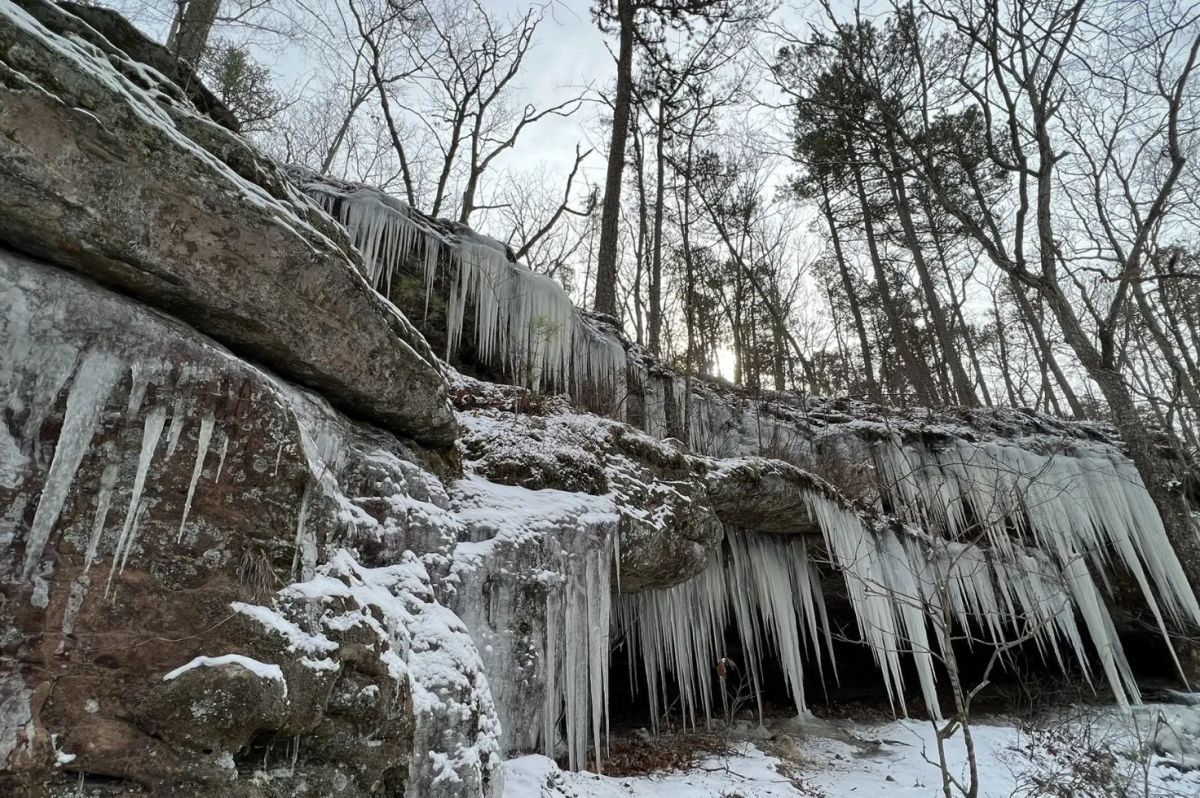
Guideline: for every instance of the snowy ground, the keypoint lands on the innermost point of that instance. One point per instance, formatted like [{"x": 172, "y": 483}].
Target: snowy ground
[{"x": 1082, "y": 753}]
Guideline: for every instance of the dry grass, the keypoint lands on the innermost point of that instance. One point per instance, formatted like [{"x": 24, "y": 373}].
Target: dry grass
[{"x": 638, "y": 756}]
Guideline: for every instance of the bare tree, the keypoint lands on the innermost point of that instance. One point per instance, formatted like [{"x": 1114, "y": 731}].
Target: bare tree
[
  {"x": 638, "y": 24},
  {"x": 537, "y": 218},
  {"x": 190, "y": 28},
  {"x": 1004, "y": 68}
]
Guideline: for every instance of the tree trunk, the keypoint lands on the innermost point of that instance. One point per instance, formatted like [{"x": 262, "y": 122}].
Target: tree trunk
[
  {"x": 1139, "y": 444},
  {"x": 606, "y": 266},
  {"x": 941, "y": 328},
  {"x": 639, "y": 249},
  {"x": 656, "y": 263},
  {"x": 1046, "y": 351},
  {"x": 916, "y": 370},
  {"x": 1002, "y": 344},
  {"x": 468, "y": 200},
  {"x": 191, "y": 27},
  {"x": 851, "y": 296},
  {"x": 343, "y": 128},
  {"x": 1180, "y": 360},
  {"x": 685, "y": 229}
]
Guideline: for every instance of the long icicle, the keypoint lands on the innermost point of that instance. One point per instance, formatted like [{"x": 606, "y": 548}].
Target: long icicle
[{"x": 89, "y": 392}]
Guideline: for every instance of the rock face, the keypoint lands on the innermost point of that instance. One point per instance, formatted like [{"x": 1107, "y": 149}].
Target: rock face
[
  {"x": 107, "y": 169},
  {"x": 168, "y": 507},
  {"x": 213, "y": 580},
  {"x": 172, "y": 511}
]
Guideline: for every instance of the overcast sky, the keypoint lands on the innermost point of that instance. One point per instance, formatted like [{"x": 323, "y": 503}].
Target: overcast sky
[{"x": 569, "y": 53}]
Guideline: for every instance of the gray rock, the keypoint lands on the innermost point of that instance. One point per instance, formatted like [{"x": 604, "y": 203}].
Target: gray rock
[
  {"x": 129, "y": 184},
  {"x": 763, "y": 495}
]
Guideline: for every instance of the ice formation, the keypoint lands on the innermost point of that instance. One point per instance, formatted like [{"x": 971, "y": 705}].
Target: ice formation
[
  {"x": 108, "y": 481},
  {"x": 524, "y": 322},
  {"x": 1084, "y": 505},
  {"x": 205, "y": 436},
  {"x": 910, "y": 591},
  {"x": 577, "y": 624},
  {"x": 97, "y": 376},
  {"x": 565, "y": 543},
  {"x": 152, "y": 429}
]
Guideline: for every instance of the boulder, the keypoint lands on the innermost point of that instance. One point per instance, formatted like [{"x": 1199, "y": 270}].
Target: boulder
[
  {"x": 763, "y": 495},
  {"x": 107, "y": 168}
]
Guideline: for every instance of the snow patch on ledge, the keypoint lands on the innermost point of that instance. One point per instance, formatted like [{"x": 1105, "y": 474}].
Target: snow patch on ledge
[{"x": 261, "y": 669}]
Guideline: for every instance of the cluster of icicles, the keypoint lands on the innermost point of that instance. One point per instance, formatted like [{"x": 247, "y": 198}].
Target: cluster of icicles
[
  {"x": 1017, "y": 537},
  {"x": 578, "y": 616},
  {"x": 94, "y": 381},
  {"x": 524, "y": 322}
]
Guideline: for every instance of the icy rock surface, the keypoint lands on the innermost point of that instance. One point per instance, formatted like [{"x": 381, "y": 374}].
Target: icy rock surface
[
  {"x": 524, "y": 324},
  {"x": 168, "y": 510},
  {"x": 666, "y": 521},
  {"x": 101, "y": 150},
  {"x": 214, "y": 581},
  {"x": 533, "y": 583}
]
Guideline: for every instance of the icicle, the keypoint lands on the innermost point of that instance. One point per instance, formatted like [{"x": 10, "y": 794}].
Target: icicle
[
  {"x": 151, "y": 432},
  {"x": 1094, "y": 503},
  {"x": 576, "y": 652},
  {"x": 768, "y": 584},
  {"x": 868, "y": 583},
  {"x": 178, "y": 419},
  {"x": 206, "y": 429},
  {"x": 89, "y": 392},
  {"x": 108, "y": 481},
  {"x": 54, "y": 369},
  {"x": 524, "y": 322},
  {"x": 599, "y": 596},
  {"x": 1104, "y": 636},
  {"x": 304, "y": 560},
  {"x": 551, "y": 655},
  {"x": 897, "y": 584},
  {"x": 221, "y": 457},
  {"x": 140, "y": 373}
]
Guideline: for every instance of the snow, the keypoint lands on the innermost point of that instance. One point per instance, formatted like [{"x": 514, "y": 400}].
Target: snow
[
  {"x": 748, "y": 773},
  {"x": 298, "y": 639},
  {"x": 60, "y": 757},
  {"x": 426, "y": 648},
  {"x": 261, "y": 669},
  {"x": 1050, "y": 754}
]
